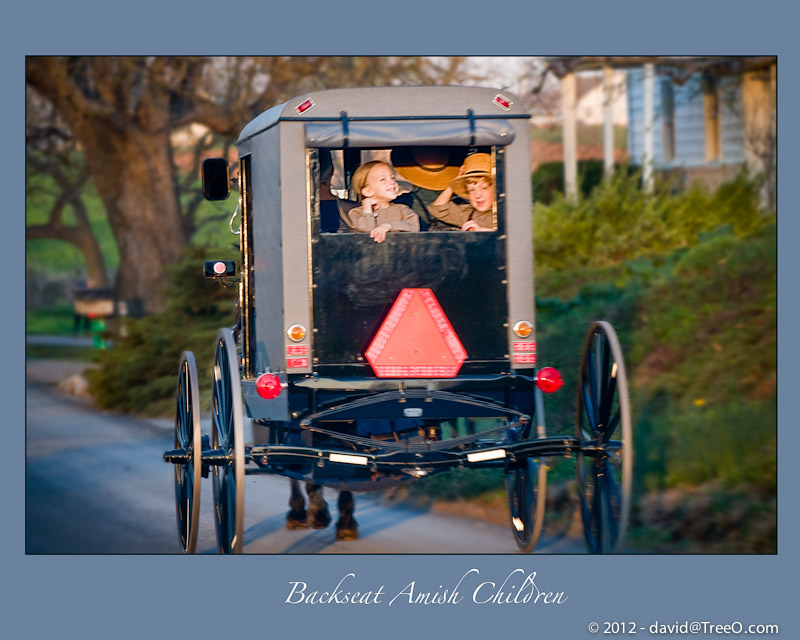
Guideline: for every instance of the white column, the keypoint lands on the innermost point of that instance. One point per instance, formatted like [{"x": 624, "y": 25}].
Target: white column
[
  {"x": 647, "y": 160},
  {"x": 568, "y": 98},
  {"x": 608, "y": 122}
]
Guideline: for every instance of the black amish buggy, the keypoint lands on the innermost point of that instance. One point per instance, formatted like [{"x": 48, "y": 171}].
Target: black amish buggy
[{"x": 357, "y": 357}]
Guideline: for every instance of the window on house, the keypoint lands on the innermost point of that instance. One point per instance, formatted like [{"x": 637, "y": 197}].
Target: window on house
[{"x": 668, "y": 117}]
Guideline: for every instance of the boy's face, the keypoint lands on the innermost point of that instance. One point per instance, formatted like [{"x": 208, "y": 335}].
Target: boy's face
[
  {"x": 381, "y": 184},
  {"x": 481, "y": 193}
]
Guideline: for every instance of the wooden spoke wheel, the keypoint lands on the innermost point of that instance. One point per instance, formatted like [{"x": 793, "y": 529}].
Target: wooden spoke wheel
[
  {"x": 188, "y": 443},
  {"x": 227, "y": 438},
  {"x": 526, "y": 484},
  {"x": 603, "y": 425}
]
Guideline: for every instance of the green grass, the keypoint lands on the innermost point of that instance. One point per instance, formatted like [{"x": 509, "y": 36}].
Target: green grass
[
  {"x": 51, "y": 257},
  {"x": 54, "y": 321}
]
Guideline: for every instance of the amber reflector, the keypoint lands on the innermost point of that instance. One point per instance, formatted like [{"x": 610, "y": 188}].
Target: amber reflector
[
  {"x": 523, "y": 328},
  {"x": 296, "y": 332}
]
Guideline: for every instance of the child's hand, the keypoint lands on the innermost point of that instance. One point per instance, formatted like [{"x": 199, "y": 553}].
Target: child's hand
[
  {"x": 369, "y": 204},
  {"x": 378, "y": 234},
  {"x": 471, "y": 225}
]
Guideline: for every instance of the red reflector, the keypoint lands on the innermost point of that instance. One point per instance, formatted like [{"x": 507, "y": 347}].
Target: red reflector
[
  {"x": 268, "y": 386},
  {"x": 525, "y": 358},
  {"x": 219, "y": 267},
  {"x": 524, "y": 346},
  {"x": 416, "y": 340},
  {"x": 296, "y": 363},
  {"x": 304, "y": 106},
  {"x": 502, "y": 101},
  {"x": 548, "y": 379}
]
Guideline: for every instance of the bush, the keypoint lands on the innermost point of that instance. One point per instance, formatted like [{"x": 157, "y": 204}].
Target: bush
[
  {"x": 139, "y": 372},
  {"x": 621, "y": 222},
  {"x": 733, "y": 442},
  {"x": 548, "y": 179},
  {"x": 699, "y": 334}
]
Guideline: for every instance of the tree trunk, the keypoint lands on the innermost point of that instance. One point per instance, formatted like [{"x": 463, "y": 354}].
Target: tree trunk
[
  {"x": 119, "y": 112},
  {"x": 133, "y": 177}
]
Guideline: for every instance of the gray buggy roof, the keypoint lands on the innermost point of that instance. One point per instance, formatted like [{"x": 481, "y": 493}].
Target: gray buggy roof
[{"x": 392, "y": 116}]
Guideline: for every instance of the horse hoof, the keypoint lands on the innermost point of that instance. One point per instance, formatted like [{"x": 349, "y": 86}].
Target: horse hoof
[
  {"x": 347, "y": 533},
  {"x": 320, "y": 520},
  {"x": 296, "y": 520}
]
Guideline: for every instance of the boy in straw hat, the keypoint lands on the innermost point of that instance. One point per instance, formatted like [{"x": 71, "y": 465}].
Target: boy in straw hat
[
  {"x": 376, "y": 185},
  {"x": 473, "y": 183}
]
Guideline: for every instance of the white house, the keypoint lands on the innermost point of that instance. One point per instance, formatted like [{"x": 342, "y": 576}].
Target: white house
[{"x": 706, "y": 125}]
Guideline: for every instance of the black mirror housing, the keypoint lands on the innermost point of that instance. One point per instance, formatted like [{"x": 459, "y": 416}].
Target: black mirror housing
[
  {"x": 219, "y": 268},
  {"x": 216, "y": 178}
]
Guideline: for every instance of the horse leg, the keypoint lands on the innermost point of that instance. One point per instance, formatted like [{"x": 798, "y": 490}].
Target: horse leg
[
  {"x": 297, "y": 516},
  {"x": 346, "y": 527},
  {"x": 318, "y": 515}
]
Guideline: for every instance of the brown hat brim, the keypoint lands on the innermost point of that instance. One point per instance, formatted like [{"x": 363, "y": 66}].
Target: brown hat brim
[
  {"x": 460, "y": 183},
  {"x": 435, "y": 178}
]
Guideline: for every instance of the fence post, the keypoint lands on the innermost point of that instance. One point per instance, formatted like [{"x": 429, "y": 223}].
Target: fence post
[
  {"x": 608, "y": 122},
  {"x": 647, "y": 161},
  {"x": 568, "y": 97}
]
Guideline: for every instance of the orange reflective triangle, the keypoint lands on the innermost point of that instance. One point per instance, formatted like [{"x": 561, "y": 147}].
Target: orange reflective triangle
[{"x": 416, "y": 340}]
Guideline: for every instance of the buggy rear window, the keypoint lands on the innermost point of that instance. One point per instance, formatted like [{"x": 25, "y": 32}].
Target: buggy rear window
[{"x": 428, "y": 182}]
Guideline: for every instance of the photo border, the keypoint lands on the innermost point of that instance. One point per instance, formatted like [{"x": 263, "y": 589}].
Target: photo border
[{"x": 130, "y": 596}]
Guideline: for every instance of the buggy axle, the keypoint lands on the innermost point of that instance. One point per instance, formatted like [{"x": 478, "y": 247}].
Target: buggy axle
[{"x": 212, "y": 457}]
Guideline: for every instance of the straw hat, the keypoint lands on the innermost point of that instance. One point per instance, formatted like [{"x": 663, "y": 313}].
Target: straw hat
[
  {"x": 478, "y": 165},
  {"x": 427, "y": 167}
]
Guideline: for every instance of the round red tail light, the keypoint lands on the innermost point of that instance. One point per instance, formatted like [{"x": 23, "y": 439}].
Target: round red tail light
[
  {"x": 548, "y": 379},
  {"x": 268, "y": 386}
]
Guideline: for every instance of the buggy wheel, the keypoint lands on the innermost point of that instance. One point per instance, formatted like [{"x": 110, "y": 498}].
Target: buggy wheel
[
  {"x": 227, "y": 437},
  {"x": 603, "y": 426},
  {"x": 526, "y": 484},
  {"x": 188, "y": 441}
]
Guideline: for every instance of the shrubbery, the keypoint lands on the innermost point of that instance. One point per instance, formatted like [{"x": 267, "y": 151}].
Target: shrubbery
[
  {"x": 548, "y": 179},
  {"x": 620, "y": 221},
  {"x": 689, "y": 282},
  {"x": 139, "y": 374}
]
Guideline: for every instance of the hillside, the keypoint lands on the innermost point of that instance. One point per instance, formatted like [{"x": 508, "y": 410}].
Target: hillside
[{"x": 689, "y": 281}]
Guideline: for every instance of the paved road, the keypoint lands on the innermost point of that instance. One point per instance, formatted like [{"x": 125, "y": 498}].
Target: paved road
[
  {"x": 59, "y": 341},
  {"x": 96, "y": 483}
]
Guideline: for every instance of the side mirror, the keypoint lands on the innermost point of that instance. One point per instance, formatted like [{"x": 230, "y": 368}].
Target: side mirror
[{"x": 216, "y": 179}]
